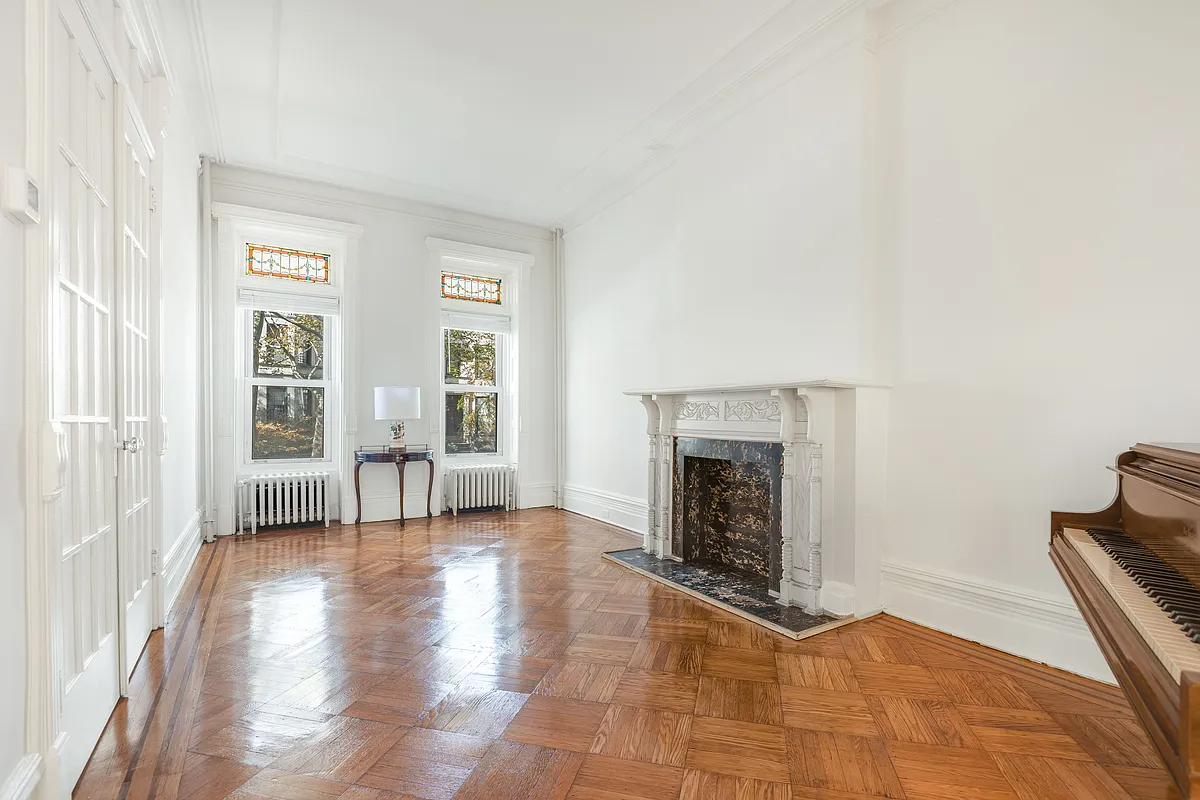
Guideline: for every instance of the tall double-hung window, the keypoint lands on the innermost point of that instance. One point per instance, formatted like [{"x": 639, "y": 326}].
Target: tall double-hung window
[
  {"x": 288, "y": 314},
  {"x": 478, "y": 342}
]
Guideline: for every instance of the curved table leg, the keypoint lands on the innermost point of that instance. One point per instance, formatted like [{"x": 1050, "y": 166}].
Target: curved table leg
[
  {"x": 429, "y": 493},
  {"x": 357, "y": 492},
  {"x": 400, "y": 470}
]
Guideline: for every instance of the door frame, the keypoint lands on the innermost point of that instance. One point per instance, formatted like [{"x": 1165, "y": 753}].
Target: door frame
[{"x": 44, "y": 450}]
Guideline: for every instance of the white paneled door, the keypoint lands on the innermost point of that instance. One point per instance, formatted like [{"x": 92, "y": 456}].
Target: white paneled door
[
  {"x": 133, "y": 395},
  {"x": 99, "y": 520},
  {"x": 83, "y": 384}
]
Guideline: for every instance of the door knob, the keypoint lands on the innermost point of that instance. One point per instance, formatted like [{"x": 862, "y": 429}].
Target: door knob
[{"x": 133, "y": 445}]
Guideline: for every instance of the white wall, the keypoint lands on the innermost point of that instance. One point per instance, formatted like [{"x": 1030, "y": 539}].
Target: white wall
[
  {"x": 743, "y": 262},
  {"x": 1043, "y": 219},
  {"x": 1024, "y": 261},
  {"x": 393, "y": 268},
  {"x": 12, "y": 401},
  {"x": 181, "y": 362}
]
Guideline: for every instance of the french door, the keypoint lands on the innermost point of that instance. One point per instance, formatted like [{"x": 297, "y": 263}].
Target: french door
[
  {"x": 98, "y": 210},
  {"x": 133, "y": 394}
]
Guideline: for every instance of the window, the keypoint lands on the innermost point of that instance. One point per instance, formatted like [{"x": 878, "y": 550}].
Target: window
[
  {"x": 475, "y": 288},
  {"x": 287, "y": 386},
  {"x": 280, "y": 262},
  {"x": 472, "y": 390}
]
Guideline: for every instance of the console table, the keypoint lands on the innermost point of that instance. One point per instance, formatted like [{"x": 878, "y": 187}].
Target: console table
[{"x": 398, "y": 457}]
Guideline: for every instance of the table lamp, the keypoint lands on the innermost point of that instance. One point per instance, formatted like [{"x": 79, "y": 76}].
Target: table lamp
[{"x": 397, "y": 403}]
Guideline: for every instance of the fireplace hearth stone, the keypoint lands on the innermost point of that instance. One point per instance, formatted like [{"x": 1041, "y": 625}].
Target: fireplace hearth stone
[{"x": 745, "y": 596}]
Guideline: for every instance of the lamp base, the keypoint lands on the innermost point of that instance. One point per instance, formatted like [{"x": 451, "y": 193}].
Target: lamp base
[{"x": 397, "y": 434}]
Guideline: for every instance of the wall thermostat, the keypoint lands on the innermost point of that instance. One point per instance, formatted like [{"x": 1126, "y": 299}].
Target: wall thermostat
[{"x": 20, "y": 198}]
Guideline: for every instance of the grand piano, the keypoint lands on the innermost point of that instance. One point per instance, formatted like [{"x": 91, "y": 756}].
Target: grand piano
[{"x": 1134, "y": 571}]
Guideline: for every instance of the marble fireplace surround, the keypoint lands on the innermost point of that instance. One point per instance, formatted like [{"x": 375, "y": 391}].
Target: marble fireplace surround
[
  {"x": 725, "y": 505},
  {"x": 833, "y": 434}
]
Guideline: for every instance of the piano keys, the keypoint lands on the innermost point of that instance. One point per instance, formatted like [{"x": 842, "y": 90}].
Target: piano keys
[{"x": 1134, "y": 571}]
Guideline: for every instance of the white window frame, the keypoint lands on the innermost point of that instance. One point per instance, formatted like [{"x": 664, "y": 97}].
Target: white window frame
[
  {"x": 512, "y": 268},
  {"x": 235, "y": 294}
]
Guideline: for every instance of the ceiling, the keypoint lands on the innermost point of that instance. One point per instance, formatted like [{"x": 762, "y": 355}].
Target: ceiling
[{"x": 522, "y": 109}]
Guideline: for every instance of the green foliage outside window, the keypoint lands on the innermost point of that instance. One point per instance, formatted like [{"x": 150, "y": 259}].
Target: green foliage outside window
[{"x": 289, "y": 421}]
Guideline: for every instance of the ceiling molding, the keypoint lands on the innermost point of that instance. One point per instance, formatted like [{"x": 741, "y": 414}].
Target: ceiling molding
[
  {"x": 890, "y": 20},
  {"x": 263, "y": 215},
  {"x": 794, "y": 40},
  {"x": 259, "y": 182},
  {"x": 204, "y": 73},
  {"x": 789, "y": 42},
  {"x": 322, "y": 171},
  {"x": 475, "y": 251}
]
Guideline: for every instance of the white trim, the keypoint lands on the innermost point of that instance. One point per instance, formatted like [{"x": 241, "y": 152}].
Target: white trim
[
  {"x": 803, "y": 383},
  {"x": 891, "y": 20},
  {"x": 837, "y": 598},
  {"x": 305, "y": 223},
  {"x": 177, "y": 563},
  {"x": 1026, "y": 623},
  {"x": 23, "y": 779},
  {"x": 475, "y": 252},
  {"x": 620, "y": 510},
  {"x": 273, "y": 183},
  {"x": 536, "y": 495},
  {"x": 42, "y": 657},
  {"x": 227, "y": 415},
  {"x": 204, "y": 73},
  {"x": 560, "y": 368},
  {"x": 385, "y": 506}
]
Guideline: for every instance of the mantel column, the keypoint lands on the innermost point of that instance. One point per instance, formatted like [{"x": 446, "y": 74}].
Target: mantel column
[
  {"x": 652, "y": 424},
  {"x": 666, "y": 454}
]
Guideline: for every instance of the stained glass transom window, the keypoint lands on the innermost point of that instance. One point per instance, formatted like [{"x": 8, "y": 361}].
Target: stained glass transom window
[
  {"x": 280, "y": 262},
  {"x": 471, "y": 287}
]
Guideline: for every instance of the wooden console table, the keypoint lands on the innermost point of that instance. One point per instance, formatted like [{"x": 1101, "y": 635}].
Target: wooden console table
[{"x": 399, "y": 458}]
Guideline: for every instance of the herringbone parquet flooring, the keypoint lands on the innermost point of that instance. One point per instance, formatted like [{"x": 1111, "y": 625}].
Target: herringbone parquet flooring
[{"x": 498, "y": 656}]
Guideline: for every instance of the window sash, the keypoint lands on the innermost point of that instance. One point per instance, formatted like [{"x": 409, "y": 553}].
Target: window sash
[
  {"x": 248, "y": 404},
  {"x": 249, "y": 380},
  {"x": 461, "y": 388}
]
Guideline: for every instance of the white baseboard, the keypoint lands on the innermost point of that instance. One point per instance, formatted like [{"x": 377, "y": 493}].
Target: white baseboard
[
  {"x": 837, "y": 598},
  {"x": 177, "y": 563},
  {"x": 617, "y": 509},
  {"x": 21, "y": 782},
  {"x": 536, "y": 495},
  {"x": 1033, "y": 625},
  {"x": 383, "y": 507}
]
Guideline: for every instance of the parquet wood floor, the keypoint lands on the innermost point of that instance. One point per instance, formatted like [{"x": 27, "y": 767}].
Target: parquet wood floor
[{"x": 497, "y": 656}]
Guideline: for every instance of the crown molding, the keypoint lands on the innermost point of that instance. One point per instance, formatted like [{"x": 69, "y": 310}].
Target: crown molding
[
  {"x": 195, "y": 24},
  {"x": 801, "y": 35},
  {"x": 794, "y": 40},
  {"x": 286, "y": 187},
  {"x": 262, "y": 215},
  {"x": 475, "y": 251},
  {"x": 890, "y": 20}
]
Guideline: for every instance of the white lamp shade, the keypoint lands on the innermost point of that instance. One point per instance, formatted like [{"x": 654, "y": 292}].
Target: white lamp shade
[{"x": 397, "y": 402}]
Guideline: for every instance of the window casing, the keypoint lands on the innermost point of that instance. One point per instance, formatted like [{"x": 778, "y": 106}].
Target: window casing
[
  {"x": 477, "y": 372},
  {"x": 289, "y": 370}
]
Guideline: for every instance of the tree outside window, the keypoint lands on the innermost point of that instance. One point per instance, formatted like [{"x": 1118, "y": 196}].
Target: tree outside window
[
  {"x": 288, "y": 395},
  {"x": 472, "y": 391}
]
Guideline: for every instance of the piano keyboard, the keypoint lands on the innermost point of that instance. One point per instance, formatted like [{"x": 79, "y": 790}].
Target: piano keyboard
[
  {"x": 1166, "y": 637},
  {"x": 1173, "y": 593}
]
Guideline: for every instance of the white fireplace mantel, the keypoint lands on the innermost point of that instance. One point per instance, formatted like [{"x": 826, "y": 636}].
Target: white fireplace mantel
[{"x": 834, "y": 437}]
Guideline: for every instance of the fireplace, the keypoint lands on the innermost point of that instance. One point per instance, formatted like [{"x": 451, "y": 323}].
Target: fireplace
[
  {"x": 726, "y": 512},
  {"x": 767, "y": 498}
]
